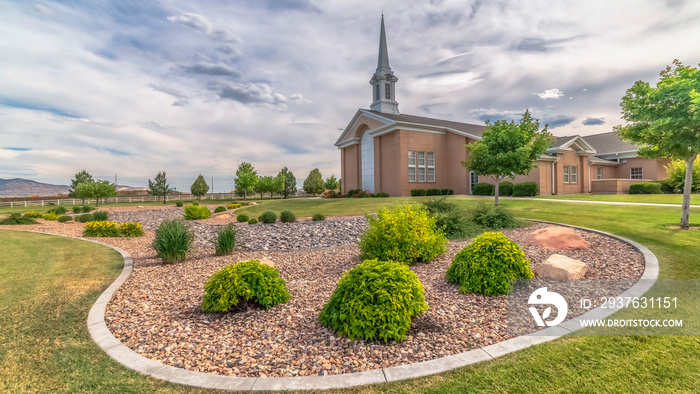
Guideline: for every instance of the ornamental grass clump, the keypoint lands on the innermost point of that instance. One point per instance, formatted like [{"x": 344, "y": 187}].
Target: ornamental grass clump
[
  {"x": 268, "y": 217},
  {"x": 253, "y": 221},
  {"x": 375, "y": 300},
  {"x": 405, "y": 234},
  {"x": 288, "y": 217},
  {"x": 172, "y": 241},
  {"x": 318, "y": 217},
  {"x": 84, "y": 218},
  {"x": 225, "y": 240},
  {"x": 451, "y": 220},
  {"x": 196, "y": 212},
  {"x": 17, "y": 219},
  {"x": 100, "y": 216},
  {"x": 65, "y": 218},
  {"x": 489, "y": 265},
  {"x": 101, "y": 228},
  {"x": 131, "y": 229},
  {"x": 242, "y": 284},
  {"x": 58, "y": 210},
  {"x": 494, "y": 218}
]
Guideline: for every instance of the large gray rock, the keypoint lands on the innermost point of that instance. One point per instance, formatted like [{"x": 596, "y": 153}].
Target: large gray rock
[{"x": 558, "y": 266}]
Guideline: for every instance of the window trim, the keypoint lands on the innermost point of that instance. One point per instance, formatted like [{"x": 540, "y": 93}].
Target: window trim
[
  {"x": 599, "y": 173},
  {"x": 412, "y": 166},
  {"x": 421, "y": 172},
  {"x": 573, "y": 175},
  {"x": 387, "y": 91},
  {"x": 640, "y": 175},
  {"x": 567, "y": 172}
]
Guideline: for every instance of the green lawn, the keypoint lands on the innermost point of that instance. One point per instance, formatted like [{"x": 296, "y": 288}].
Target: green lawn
[
  {"x": 646, "y": 198},
  {"x": 46, "y": 293}
]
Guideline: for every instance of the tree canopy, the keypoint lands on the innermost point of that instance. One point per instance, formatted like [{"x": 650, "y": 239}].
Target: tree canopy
[
  {"x": 81, "y": 177},
  {"x": 96, "y": 190},
  {"x": 159, "y": 186},
  {"x": 199, "y": 187},
  {"x": 508, "y": 149},
  {"x": 269, "y": 185},
  {"x": 313, "y": 184},
  {"x": 332, "y": 183},
  {"x": 288, "y": 182},
  {"x": 665, "y": 120},
  {"x": 246, "y": 178}
]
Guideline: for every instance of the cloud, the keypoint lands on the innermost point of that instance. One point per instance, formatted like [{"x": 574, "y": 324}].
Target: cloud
[
  {"x": 558, "y": 121},
  {"x": 550, "y": 94},
  {"x": 181, "y": 97},
  {"x": 254, "y": 92},
  {"x": 193, "y": 21},
  {"x": 218, "y": 69},
  {"x": 592, "y": 121},
  {"x": 534, "y": 44},
  {"x": 33, "y": 106}
]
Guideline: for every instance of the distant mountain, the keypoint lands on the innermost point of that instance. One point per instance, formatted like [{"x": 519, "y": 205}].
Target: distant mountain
[{"x": 19, "y": 187}]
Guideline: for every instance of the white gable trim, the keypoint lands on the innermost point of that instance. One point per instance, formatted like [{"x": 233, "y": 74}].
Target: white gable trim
[
  {"x": 353, "y": 123},
  {"x": 577, "y": 144},
  {"x": 421, "y": 128}
]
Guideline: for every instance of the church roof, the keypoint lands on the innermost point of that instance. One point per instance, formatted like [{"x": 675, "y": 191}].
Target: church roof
[
  {"x": 607, "y": 143},
  {"x": 467, "y": 128},
  {"x": 383, "y": 58}
]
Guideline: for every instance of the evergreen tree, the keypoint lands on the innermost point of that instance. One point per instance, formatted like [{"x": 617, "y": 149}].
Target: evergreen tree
[
  {"x": 159, "y": 186},
  {"x": 332, "y": 183},
  {"x": 81, "y": 177},
  {"x": 246, "y": 178},
  {"x": 313, "y": 184},
  {"x": 288, "y": 182},
  {"x": 199, "y": 187}
]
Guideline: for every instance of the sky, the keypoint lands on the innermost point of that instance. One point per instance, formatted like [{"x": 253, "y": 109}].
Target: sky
[{"x": 137, "y": 87}]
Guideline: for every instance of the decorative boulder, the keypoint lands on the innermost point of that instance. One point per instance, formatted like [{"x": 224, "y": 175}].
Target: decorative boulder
[
  {"x": 557, "y": 238},
  {"x": 558, "y": 266},
  {"x": 267, "y": 262}
]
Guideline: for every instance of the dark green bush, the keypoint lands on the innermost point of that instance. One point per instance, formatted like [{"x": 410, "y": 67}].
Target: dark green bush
[
  {"x": 483, "y": 189},
  {"x": 219, "y": 209},
  {"x": 17, "y": 219},
  {"x": 406, "y": 234},
  {"x": 179, "y": 204},
  {"x": 172, "y": 240},
  {"x": 242, "y": 218},
  {"x": 666, "y": 187},
  {"x": 195, "y": 212},
  {"x": 375, "y": 300},
  {"x": 253, "y": 221},
  {"x": 352, "y": 192},
  {"x": 418, "y": 192},
  {"x": 77, "y": 209},
  {"x": 505, "y": 189},
  {"x": 457, "y": 225},
  {"x": 493, "y": 218},
  {"x": 439, "y": 206},
  {"x": 59, "y": 210},
  {"x": 195, "y": 203},
  {"x": 65, "y": 218},
  {"x": 268, "y": 217},
  {"x": 318, "y": 217},
  {"x": 525, "y": 189},
  {"x": 100, "y": 216},
  {"x": 489, "y": 265},
  {"x": 84, "y": 218},
  {"x": 433, "y": 192},
  {"x": 245, "y": 281},
  {"x": 381, "y": 195},
  {"x": 645, "y": 188},
  {"x": 447, "y": 192},
  {"x": 225, "y": 240},
  {"x": 288, "y": 217},
  {"x": 87, "y": 208}
]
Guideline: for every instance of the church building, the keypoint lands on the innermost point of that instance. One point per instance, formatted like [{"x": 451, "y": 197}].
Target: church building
[{"x": 382, "y": 150}]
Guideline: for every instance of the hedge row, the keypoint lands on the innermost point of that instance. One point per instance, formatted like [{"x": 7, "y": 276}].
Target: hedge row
[
  {"x": 524, "y": 189},
  {"x": 432, "y": 192}
]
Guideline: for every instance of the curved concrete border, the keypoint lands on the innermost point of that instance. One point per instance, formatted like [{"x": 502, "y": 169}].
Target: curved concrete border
[{"x": 132, "y": 360}]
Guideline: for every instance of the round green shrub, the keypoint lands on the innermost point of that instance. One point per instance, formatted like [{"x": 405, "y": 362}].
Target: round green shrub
[
  {"x": 483, "y": 189},
  {"x": 195, "y": 212},
  {"x": 65, "y": 218},
  {"x": 172, "y": 240},
  {"x": 488, "y": 265},
  {"x": 253, "y": 221},
  {"x": 318, "y": 217},
  {"x": 268, "y": 217},
  {"x": 84, "y": 218},
  {"x": 288, "y": 217},
  {"x": 219, "y": 209},
  {"x": 405, "y": 234},
  {"x": 87, "y": 208},
  {"x": 505, "y": 189},
  {"x": 59, "y": 210},
  {"x": 526, "y": 189},
  {"x": 77, "y": 209},
  {"x": 179, "y": 204},
  {"x": 375, "y": 300},
  {"x": 242, "y": 218},
  {"x": 247, "y": 281}
]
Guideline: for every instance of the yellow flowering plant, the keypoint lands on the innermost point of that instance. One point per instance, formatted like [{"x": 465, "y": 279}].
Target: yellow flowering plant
[{"x": 101, "y": 228}]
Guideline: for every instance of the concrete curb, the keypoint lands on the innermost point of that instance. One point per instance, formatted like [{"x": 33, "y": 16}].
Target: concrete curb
[{"x": 132, "y": 360}]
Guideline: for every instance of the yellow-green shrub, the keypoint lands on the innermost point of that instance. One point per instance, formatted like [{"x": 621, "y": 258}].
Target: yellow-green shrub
[
  {"x": 195, "y": 212},
  {"x": 233, "y": 206},
  {"x": 33, "y": 215},
  {"x": 50, "y": 216},
  {"x": 131, "y": 229},
  {"x": 101, "y": 228},
  {"x": 405, "y": 234}
]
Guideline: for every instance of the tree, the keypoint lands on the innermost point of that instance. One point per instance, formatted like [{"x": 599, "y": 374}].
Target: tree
[
  {"x": 81, "y": 177},
  {"x": 267, "y": 184},
  {"x": 288, "y": 182},
  {"x": 508, "y": 149},
  {"x": 332, "y": 183},
  {"x": 665, "y": 120},
  {"x": 676, "y": 175},
  {"x": 313, "y": 184},
  {"x": 160, "y": 186},
  {"x": 96, "y": 190},
  {"x": 246, "y": 178},
  {"x": 199, "y": 187}
]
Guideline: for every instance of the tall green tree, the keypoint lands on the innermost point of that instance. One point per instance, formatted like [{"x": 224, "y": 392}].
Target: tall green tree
[
  {"x": 288, "y": 182},
  {"x": 267, "y": 184},
  {"x": 313, "y": 184},
  {"x": 199, "y": 187},
  {"x": 96, "y": 190},
  {"x": 332, "y": 183},
  {"x": 246, "y": 178},
  {"x": 666, "y": 120},
  {"x": 159, "y": 186},
  {"x": 81, "y": 177},
  {"x": 508, "y": 149}
]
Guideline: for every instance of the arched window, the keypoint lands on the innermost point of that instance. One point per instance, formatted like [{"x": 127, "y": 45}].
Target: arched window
[{"x": 367, "y": 161}]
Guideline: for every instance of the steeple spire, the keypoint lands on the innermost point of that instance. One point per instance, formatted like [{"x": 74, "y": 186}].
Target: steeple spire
[{"x": 383, "y": 81}]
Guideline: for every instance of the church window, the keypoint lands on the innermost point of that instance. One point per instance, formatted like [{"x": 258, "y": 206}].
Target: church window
[
  {"x": 421, "y": 166},
  {"x": 567, "y": 170},
  {"x": 636, "y": 173},
  {"x": 599, "y": 173},
  {"x": 574, "y": 174},
  {"x": 411, "y": 166},
  {"x": 376, "y": 91},
  {"x": 387, "y": 91},
  {"x": 431, "y": 166}
]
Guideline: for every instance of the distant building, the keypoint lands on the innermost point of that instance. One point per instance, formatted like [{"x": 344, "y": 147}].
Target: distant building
[{"x": 382, "y": 150}]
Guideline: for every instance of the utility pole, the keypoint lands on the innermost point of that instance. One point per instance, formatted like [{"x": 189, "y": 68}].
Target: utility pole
[
  {"x": 115, "y": 181},
  {"x": 212, "y": 186}
]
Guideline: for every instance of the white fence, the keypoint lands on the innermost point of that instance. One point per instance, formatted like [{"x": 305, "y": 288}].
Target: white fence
[{"x": 77, "y": 201}]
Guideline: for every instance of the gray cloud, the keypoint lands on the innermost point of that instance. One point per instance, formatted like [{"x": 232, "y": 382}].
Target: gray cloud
[
  {"x": 558, "y": 121},
  {"x": 254, "y": 92},
  {"x": 534, "y": 44},
  {"x": 181, "y": 97},
  {"x": 218, "y": 69},
  {"x": 592, "y": 121},
  {"x": 193, "y": 21}
]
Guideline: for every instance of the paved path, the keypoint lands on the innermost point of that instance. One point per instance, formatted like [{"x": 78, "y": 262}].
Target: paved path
[{"x": 648, "y": 204}]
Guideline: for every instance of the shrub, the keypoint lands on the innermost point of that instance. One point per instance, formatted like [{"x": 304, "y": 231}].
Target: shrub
[
  {"x": 101, "y": 228},
  {"x": 433, "y": 192},
  {"x": 65, "y": 218},
  {"x": 242, "y": 218},
  {"x": 675, "y": 171},
  {"x": 505, "y": 189},
  {"x": 483, "y": 189},
  {"x": 59, "y": 210},
  {"x": 172, "y": 240},
  {"x": 405, "y": 234},
  {"x": 179, "y": 204},
  {"x": 330, "y": 194},
  {"x": 77, "y": 209},
  {"x": 447, "y": 192},
  {"x": 645, "y": 188},
  {"x": 100, "y": 216},
  {"x": 50, "y": 216},
  {"x": 87, "y": 208},
  {"x": 381, "y": 195},
  {"x": 666, "y": 187},
  {"x": 17, "y": 219},
  {"x": 233, "y": 206},
  {"x": 439, "y": 206},
  {"x": 375, "y": 300},
  {"x": 525, "y": 189},
  {"x": 268, "y": 217},
  {"x": 225, "y": 240},
  {"x": 457, "y": 225},
  {"x": 488, "y": 265},
  {"x": 196, "y": 203},
  {"x": 247, "y": 281},
  {"x": 194, "y": 212},
  {"x": 288, "y": 217},
  {"x": 219, "y": 209},
  {"x": 493, "y": 218},
  {"x": 33, "y": 215},
  {"x": 86, "y": 217},
  {"x": 353, "y": 192},
  {"x": 418, "y": 192},
  {"x": 253, "y": 221},
  {"x": 318, "y": 217},
  {"x": 131, "y": 229}
]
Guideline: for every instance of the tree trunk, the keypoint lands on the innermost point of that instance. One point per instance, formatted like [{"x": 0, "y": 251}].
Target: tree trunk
[
  {"x": 685, "y": 209},
  {"x": 495, "y": 192},
  {"x": 164, "y": 195}
]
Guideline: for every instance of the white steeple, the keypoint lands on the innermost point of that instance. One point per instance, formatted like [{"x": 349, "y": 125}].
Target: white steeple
[{"x": 383, "y": 80}]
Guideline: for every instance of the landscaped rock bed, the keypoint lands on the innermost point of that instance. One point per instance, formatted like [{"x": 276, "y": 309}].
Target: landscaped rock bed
[{"x": 157, "y": 311}]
